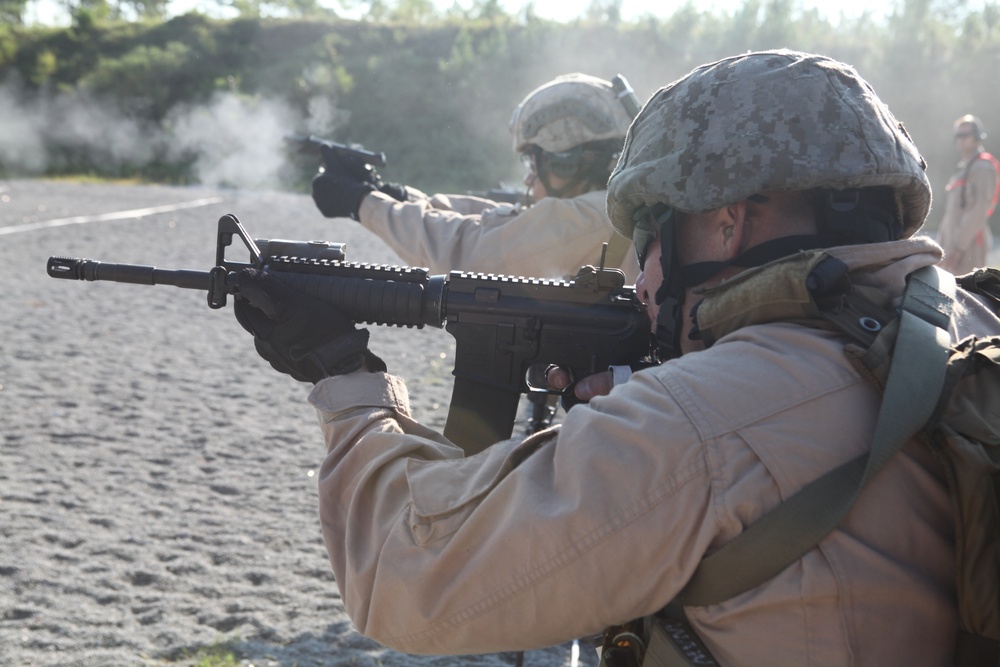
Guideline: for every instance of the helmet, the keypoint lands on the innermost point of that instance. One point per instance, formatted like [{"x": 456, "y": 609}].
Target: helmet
[
  {"x": 975, "y": 122},
  {"x": 775, "y": 120},
  {"x": 566, "y": 112}
]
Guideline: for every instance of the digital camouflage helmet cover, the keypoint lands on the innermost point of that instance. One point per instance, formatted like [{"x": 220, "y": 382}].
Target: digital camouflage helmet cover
[
  {"x": 569, "y": 111},
  {"x": 775, "y": 120}
]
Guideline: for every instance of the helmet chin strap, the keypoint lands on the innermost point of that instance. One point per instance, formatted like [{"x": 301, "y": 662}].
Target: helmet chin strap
[
  {"x": 676, "y": 279},
  {"x": 699, "y": 272},
  {"x": 845, "y": 217},
  {"x": 669, "y": 295}
]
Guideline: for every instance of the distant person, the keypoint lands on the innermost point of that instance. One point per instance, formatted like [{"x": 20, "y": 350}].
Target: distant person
[
  {"x": 972, "y": 196},
  {"x": 569, "y": 133}
]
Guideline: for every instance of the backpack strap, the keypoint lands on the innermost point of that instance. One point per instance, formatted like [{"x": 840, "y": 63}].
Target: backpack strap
[{"x": 791, "y": 529}]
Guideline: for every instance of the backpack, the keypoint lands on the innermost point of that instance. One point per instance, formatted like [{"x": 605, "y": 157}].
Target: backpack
[{"x": 950, "y": 399}]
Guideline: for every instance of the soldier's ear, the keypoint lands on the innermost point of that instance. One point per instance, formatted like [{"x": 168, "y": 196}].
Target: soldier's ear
[{"x": 733, "y": 228}]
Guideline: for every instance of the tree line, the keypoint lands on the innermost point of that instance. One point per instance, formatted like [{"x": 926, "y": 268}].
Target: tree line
[{"x": 434, "y": 90}]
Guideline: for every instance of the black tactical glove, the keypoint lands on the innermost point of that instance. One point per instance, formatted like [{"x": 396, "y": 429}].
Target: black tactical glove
[
  {"x": 394, "y": 190},
  {"x": 339, "y": 189},
  {"x": 299, "y": 334}
]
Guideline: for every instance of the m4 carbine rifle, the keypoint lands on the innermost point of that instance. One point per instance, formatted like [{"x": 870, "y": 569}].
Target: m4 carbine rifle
[{"x": 503, "y": 326}]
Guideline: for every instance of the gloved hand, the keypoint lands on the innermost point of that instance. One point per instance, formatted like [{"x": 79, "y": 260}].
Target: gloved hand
[
  {"x": 343, "y": 183},
  {"x": 338, "y": 190},
  {"x": 299, "y": 334}
]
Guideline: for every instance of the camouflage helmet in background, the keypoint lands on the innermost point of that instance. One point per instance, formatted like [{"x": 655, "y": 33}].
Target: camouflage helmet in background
[
  {"x": 775, "y": 120},
  {"x": 569, "y": 111}
]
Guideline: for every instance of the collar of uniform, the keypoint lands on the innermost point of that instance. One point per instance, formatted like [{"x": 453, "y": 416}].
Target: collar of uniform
[{"x": 778, "y": 290}]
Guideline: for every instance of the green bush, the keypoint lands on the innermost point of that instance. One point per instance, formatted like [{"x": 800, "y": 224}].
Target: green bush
[{"x": 435, "y": 94}]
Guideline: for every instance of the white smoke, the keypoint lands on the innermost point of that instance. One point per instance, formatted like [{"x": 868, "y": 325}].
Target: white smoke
[
  {"x": 234, "y": 140},
  {"x": 237, "y": 140},
  {"x": 31, "y": 122},
  {"x": 21, "y": 146}
]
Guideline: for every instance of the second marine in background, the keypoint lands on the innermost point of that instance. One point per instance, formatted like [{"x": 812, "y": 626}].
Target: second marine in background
[{"x": 569, "y": 133}]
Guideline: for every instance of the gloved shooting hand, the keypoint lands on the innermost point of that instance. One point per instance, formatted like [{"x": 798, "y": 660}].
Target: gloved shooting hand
[
  {"x": 298, "y": 334},
  {"x": 339, "y": 189}
]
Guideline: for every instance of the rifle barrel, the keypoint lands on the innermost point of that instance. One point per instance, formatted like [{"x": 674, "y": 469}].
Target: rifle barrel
[
  {"x": 397, "y": 302},
  {"x": 71, "y": 268}
]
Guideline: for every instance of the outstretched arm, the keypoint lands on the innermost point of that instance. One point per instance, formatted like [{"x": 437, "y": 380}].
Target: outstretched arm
[{"x": 552, "y": 239}]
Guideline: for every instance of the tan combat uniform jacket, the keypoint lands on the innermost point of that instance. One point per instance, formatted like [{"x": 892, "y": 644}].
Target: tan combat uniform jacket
[
  {"x": 965, "y": 233},
  {"x": 551, "y": 239},
  {"x": 532, "y": 543}
]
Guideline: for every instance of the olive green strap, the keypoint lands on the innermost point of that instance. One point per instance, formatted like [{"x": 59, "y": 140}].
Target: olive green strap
[{"x": 913, "y": 387}]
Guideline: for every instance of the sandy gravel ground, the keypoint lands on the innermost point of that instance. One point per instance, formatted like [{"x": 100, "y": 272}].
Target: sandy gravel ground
[{"x": 157, "y": 479}]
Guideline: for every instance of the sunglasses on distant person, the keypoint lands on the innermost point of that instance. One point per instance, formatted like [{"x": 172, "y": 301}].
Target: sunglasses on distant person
[{"x": 963, "y": 135}]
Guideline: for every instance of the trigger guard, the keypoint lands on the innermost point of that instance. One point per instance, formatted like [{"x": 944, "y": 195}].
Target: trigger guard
[{"x": 569, "y": 398}]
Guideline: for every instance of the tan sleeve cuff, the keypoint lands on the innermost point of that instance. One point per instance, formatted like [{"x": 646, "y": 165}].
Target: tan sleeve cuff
[
  {"x": 371, "y": 203},
  {"x": 360, "y": 389}
]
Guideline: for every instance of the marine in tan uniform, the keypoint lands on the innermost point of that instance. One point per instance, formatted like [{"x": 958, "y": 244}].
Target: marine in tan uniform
[
  {"x": 972, "y": 195},
  {"x": 569, "y": 133},
  {"x": 740, "y": 164}
]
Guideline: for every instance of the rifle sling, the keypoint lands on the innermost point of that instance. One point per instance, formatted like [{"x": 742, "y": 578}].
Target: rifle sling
[{"x": 912, "y": 390}]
